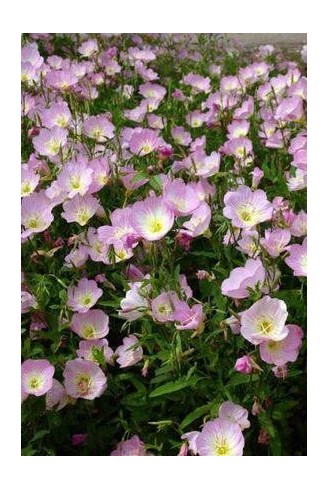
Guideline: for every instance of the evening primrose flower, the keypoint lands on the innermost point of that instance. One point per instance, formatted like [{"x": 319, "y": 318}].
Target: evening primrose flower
[
  {"x": 247, "y": 208},
  {"x": 84, "y": 379},
  {"x": 144, "y": 142},
  {"x": 127, "y": 354},
  {"x": 297, "y": 258},
  {"x": 181, "y": 197},
  {"x": 235, "y": 413},
  {"x": 88, "y": 48},
  {"x": 36, "y": 214},
  {"x": 87, "y": 347},
  {"x": 83, "y": 296},
  {"x": 130, "y": 447},
  {"x": 56, "y": 396},
  {"x": 220, "y": 437},
  {"x": 199, "y": 221},
  {"x": 29, "y": 180},
  {"x": 92, "y": 324},
  {"x": 283, "y": 351},
  {"x": 75, "y": 178},
  {"x": 152, "y": 218},
  {"x": 135, "y": 303},
  {"x": 265, "y": 320},
  {"x": 80, "y": 209},
  {"x": 98, "y": 128},
  {"x": 275, "y": 241},
  {"x": 37, "y": 376},
  {"x": 58, "y": 114},
  {"x": 50, "y": 141},
  {"x": 242, "y": 278}
]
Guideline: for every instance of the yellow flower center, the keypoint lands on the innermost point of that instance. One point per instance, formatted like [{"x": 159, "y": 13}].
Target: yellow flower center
[
  {"x": 26, "y": 188},
  {"x": 53, "y": 146},
  {"x": 265, "y": 325},
  {"x": 247, "y": 213},
  {"x": 83, "y": 217},
  {"x": 75, "y": 182},
  {"x": 89, "y": 331},
  {"x": 33, "y": 223},
  {"x": 97, "y": 132},
  {"x": 155, "y": 225},
  {"x": 83, "y": 384},
  {"x": 61, "y": 121},
  {"x": 146, "y": 148},
  {"x": 222, "y": 448},
  {"x": 35, "y": 382},
  {"x": 86, "y": 299}
]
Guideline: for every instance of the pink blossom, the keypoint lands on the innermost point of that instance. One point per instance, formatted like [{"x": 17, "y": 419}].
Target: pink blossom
[
  {"x": 275, "y": 241},
  {"x": 98, "y": 128},
  {"x": 75, "y": 178},
  {"x": 63, "y": 80},
  {"x": 243, "y": 365},
  {"x": 80, "y": 209},
  {"x": 220, "y": 437},
  {"x": 129, "y": 354},
  {"x": 83, "y": 296},
  {"x": 98, "y": 250},
  {"x": 58, "y": 114},
  {"x": 198, "y": 83},
  {"x": 29, "y": 180},
  {"x": 199, "y": 221},
  {"x": 50, "y": 141},
  {"x": 163, "y": 306},
  {"x": 78, "y": 439},
  {"x": 56, "y": 396},
  {"x": 290, "y": 109},
  {"x": 152, "y": 218},
  {"x": 181, "y": 136},
  {"x": 248, "y": 243},
  {"x": 191, "y": 437},
  {"x": 92, "y": 324},
  {"x": 187, "y": 318},
  {"x": 88, "y": 48},
  {"x": 135, "y": 303},
  {"x": 297, "y": 259},
  {"x": 144, "y": 142},
  {"x": 234, "y": 413},
  {"x": 36, "y": 214},
  {"x": 265, "y": 320},
  {"x": 247, "y": 208},
  {"x": 299, "y": 225},
  {"x": 242, "y": 278},
  {"x": 130, "y": 447},
  {"x": 77, "y": 257},
  {"x": 84, "y": 379},
  {"x": 283, "y": 351},
  {"x": 37, "y": 376},
  {"x": 152, "y": 91},
  {"x": 87, "y": 347},
  {"x": 181, "y": 197}
]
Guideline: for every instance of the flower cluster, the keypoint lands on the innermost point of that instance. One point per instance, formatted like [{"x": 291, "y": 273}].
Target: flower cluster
[{"x": 164, "y": 244}]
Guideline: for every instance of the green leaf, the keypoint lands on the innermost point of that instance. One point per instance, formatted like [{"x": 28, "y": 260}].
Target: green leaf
[
  {"x": 40, "y": 435},
  {"x": 239, "y": 379},
  {"x": 172, "y": 387},
  {"x": 195, "y": 415},
  {"x": 156, "y": 183}
]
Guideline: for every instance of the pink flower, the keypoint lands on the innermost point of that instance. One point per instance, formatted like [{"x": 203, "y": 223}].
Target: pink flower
[
  {"x": 265, "y": 320},
  {"x": 131, "y": 447},
  {"x": 29, "y": 180},
  {"x": 62, "y": 80},
  {"x": 204, "y": 166},
  {"x": 80, "y": 209},
  {"x": 238, "y": 129},
  {"x": 283, "y": 351},
  {"x": 28, "y": 302},
  {"x": 98, "y": 128},
  {"x": 248, "y": 243},
  {"x": 220, "y": 437},
  {"x": 135, "y": 303},
  {"x": 181, "y": 197},
  {"x": 75, "y": 178},
  {"x": 297, "y": 259},
  {"x": 127, "y": 354},
  {"x": 247, "y": 208},
  {"x": 152, "y": 91},
  {"x": 290, "y": 109},
  {"x": 234, "y": 413},
  {"x": 88, "y": 48},
  {"x": 181, "y": 136},
  {"x": 58, "y": 114},
  {"x": 144, "y": 142},
  {"x": 299, "y": 224},
  {"x": 56, "y": 396},
  {"x": 77, "y": 257},
  {"x": 84, "y": 379},
  {"x": 121, "y": 228},
  {"x": 83, "y": 296},
  {"x": 257, "y": 174},
  {"x": 50, "y": 141},
  {"x": 152, "y": 218},
  {"x": 163, "y": 306},
  {"x": 242, "y": 278},
  {"x": 198, "y": 83},
  {"x": 275, "y": 241},
  {"x": 187, "y": 318},
  {"x": 243, "y": 365},
  {"x": 37, "y": 376},
  {"x": 87, "y": 347},
  {"x": 199, "y": 221},
  {"x": 36, "y": 214},
  {"x": 191, "y": 437},
  {"x": 78, "y": 439},
  {"x": 92, "y": 324},
  {"x": 98, "y": 250}
]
